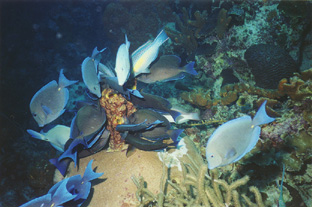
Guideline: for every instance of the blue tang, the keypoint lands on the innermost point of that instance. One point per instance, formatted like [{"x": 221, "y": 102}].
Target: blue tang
[
  {"x": 122, "y": 66},
  {"x": 233, "y": 139},
  {"x": 90, "y": 77},
  {"x": 57, "y": 136},
  {"x": 49, "y": 102},
  {"x": 60, "y": 196},
  {"x": 78, "y": 186},
  {"x": 167, "y": 68}
]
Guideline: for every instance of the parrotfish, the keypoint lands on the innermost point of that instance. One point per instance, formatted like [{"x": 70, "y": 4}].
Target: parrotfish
[
  {"x": 78, "y": 186},
  {"x": 86, "y": 129},
  {"x": 49, "y": 102},
  {"x": 147, "y": 53},
  {"x": 183, "y": 117},
  {"x": 59, "y": 196},
  {"x": 155, "y": 102},
  {"x": 159, "y": 136},
  {"x": 57, "y": 136},
  {"x": 122, "y": 66},
  {"x": 167, "y": 68},
  {"x": 90, "y": 76},
  {"x": 233, "y": 139}
]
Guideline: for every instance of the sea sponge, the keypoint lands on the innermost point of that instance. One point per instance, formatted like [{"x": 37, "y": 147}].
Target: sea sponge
[
  {"x": 117, "y": 108},
  {"x": 269, "y": 64}
]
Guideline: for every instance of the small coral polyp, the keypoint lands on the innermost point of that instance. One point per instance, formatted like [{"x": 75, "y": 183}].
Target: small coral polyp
[{"x": 116, "y": 107}]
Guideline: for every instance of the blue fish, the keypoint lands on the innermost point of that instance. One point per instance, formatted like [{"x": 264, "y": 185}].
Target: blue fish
[
  {"x": 233, "y": 139},
  {"x": 63, "y": 164},
  {"x": 57, "y": 136},
  {"x": 167, "y": 68},
  {"x": 49, "y": 102},
  {"x": 157, "y": 134},
  {"x": 78, "y": 186},
  {"x": 157, "y": 103},
  {"x": 71, "y": 192},
  {"x": 143, "y": 126},
  {"x": 86, "y": 129},
  {"x": 113, "y": 83},
  {"x": 122, "y": 66},
  {"x": 56, "y": 198}
]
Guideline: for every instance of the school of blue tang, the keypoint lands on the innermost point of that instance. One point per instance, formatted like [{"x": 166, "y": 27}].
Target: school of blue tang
[{"x": 148, "y": 128}]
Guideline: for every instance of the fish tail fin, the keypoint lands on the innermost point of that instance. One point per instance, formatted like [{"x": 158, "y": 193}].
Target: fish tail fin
[
  {"x": 135, "y": 93},
  {"x": 189, "y": 68},
  {"x": 161, "y": 38},
  {"x": 127, "y": 42},
  {"x": 71, "y": 151},
  {"x": 174, "y": 114},
  {"x": 60, "y": 165},
  {"x": 89, "y": 174},
  {"x": 261, "y": 116},
  {"x": 62, "y": 195},
  {"x": 63, "y": 81},
  {"x": 36, "y": 135},
  {"x": 174, "y": 135},
  {"x": 190, "y": 116}
]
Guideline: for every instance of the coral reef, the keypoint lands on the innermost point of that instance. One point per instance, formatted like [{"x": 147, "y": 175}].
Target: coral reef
[
  {"x": 116, "y": 107},
  {"x": 182, "y": 34},
  {"x": 269, "y": 64},
  {"x": 197, "y": 188},
  {"x": 222, "y": 23}
]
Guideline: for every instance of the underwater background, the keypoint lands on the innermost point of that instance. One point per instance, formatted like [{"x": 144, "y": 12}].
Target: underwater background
[{"x": 245, "y": 52}]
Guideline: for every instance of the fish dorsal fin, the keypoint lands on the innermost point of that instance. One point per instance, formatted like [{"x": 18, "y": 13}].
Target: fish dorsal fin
[
  {"x": 63, "y": 81},
  {"x": 89, "y": 174},
  {"x": 141, "y": 49},
  {"x": 261, "y": 116}
]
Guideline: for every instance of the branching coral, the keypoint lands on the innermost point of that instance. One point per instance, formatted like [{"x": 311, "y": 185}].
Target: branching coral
[
  {"x": 197, "y": 189},
  {"x": 222, "y": 23},
  {"x": 116, "y": 107}
]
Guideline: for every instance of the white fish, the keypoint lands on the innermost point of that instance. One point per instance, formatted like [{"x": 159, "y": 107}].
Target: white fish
[
  {"x": 122, "y": 67},
  {"x": 90, "y": 77},
  {"x": 105, "y": 71},
  {"x": 147, "y": 53},
  {"x": 233, "y": 139},
  {"x": 49, "y": 102},
  {"x": 57, "y": 136},
  {"x": 184, "y": 117}
]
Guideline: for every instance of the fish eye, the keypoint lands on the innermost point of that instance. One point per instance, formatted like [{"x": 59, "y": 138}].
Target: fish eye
[
  {"x": 94, "y": 88},
  {"x": 211, "y": 156},
  {"x": 34, "y": 114}
]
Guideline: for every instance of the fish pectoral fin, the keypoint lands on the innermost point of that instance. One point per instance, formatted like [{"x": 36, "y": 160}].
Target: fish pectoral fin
[
  {"x": 46, "y": 110},
  {"x": 231, "y": 153}
]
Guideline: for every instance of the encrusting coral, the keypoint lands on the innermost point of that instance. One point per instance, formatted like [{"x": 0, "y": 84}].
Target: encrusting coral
[
  {"x": 299, "y": 87},
  {"x": 197, "y": 188},
  {"x": 117, "y": 108}
]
